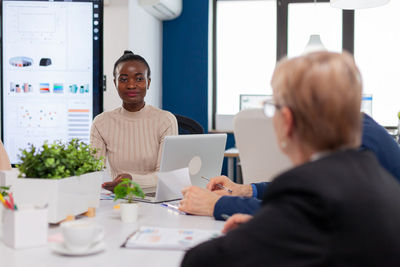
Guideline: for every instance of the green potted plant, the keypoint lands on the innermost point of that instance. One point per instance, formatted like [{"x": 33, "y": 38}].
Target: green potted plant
[
  {"x": 128, "y": 190},
  {"x": 58, "y": 160},
  {"x": 66, "y": 176}
]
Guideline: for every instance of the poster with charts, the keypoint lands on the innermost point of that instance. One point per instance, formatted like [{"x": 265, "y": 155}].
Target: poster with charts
[{"x": 51, "y": 71}]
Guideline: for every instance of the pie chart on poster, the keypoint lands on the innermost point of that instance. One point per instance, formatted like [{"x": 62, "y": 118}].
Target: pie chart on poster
[{"x": 21, "y": 61}]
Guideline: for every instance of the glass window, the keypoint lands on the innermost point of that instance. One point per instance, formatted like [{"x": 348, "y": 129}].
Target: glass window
[
  {"x": 246, "y": 52},
  {"x": 377, "y": 53},
  {"x": 305, "y": 19}
]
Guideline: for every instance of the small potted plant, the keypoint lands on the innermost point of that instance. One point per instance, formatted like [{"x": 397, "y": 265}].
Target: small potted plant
[
  {"x": 128, "y": 190},
  {"x": 65, "y": 176}
]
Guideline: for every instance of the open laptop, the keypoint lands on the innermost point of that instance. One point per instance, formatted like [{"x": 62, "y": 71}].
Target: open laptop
[{"x": 201, "y": 153}]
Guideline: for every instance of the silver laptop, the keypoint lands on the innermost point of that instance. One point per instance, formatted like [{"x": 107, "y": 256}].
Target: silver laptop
[{"x": 203, "y": 154}]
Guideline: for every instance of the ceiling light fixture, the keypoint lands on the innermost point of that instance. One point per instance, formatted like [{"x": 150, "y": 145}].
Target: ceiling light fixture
[
  {"x": 314, "y": 44},
  {"x": 357, "y": 4}
]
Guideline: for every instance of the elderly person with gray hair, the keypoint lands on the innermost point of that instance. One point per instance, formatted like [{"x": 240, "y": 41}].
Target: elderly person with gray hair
[{"x": 337, "y": 206}]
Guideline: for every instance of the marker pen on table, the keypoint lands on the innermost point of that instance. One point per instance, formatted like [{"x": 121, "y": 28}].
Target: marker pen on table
[
  {"x": 225, "y": 216},
  {"x": 172, "y": 207}
]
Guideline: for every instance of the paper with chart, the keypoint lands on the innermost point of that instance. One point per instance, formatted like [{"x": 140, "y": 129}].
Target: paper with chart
[{"x": 148, "y": 237}]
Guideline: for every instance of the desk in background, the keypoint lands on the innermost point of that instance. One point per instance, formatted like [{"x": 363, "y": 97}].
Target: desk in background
[
  {"x": 232, "y": 154},
  {"x": 116, "y": 233}
]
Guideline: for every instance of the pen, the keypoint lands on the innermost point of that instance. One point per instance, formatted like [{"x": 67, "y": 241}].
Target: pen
[
  {"x": 127, "y": 239},
  {"x": 225, "y": 216},
  {"x": 3, "y": 200},
  {"x": 219, "y": 185},
  {"x": 173, "y": 207},
  {"x": 8, "y": 204},
  {"x": 13, "y": 206}
]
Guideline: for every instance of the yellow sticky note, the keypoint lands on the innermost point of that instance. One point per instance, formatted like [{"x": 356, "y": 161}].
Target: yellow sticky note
[{"x": 117, "y": 207}]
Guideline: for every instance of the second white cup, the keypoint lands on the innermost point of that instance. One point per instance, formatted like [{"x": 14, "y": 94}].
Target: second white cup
[{"x": 79, "y": 236}]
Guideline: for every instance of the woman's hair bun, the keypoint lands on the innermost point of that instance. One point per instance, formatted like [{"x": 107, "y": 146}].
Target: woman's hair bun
[{"x": 128, "y": 52}]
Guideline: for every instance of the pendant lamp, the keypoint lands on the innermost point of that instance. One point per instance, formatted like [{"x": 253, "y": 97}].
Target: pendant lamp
[
  {"x": 314, "y": 44},
  {"x": 357, "y": 4}
]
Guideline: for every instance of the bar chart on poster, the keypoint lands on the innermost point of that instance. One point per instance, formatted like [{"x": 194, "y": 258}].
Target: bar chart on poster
[{"x": 51, "y": 71}]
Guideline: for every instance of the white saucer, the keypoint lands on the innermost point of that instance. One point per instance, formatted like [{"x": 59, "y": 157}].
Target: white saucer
[{"x": 60, "y": 248}]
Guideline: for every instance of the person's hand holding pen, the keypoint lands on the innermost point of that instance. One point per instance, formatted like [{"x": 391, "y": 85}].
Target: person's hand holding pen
[
  {"x": 223, "y": 186},
  {"x": 219, "y": 186},
  {"x": 198, "y": 201}
]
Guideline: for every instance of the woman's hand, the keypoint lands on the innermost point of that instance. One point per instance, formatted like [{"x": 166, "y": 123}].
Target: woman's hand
[
  {"x": 198, "y": 201},
  {"x": 234, "y": 221},
  {"x": 237, "y": 189},
  {"x": 110, "y": 185}
]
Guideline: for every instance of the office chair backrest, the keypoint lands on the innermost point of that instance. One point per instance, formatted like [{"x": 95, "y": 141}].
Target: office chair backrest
[
  {"x": 188, "y": 126},
  {"x": 260, "y": 157}
]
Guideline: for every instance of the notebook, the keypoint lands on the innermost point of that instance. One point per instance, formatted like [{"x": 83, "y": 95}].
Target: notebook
[{"x": 148, "y": 237}]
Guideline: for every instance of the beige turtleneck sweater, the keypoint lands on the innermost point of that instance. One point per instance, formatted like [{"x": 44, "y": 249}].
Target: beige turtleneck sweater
[{"x": 132, "y": 141}]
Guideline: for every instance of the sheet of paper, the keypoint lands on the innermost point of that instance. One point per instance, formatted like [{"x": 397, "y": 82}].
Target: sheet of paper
[
  {"x": 172, "y": 183},
  {"x": 148, "y": 237}
]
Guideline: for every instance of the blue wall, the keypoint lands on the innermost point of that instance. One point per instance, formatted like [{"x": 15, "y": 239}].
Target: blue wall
[{"x": 185, "y": 62}]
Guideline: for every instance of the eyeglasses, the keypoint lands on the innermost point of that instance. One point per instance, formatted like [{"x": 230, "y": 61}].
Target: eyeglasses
[{"x": 270, "y": 107}]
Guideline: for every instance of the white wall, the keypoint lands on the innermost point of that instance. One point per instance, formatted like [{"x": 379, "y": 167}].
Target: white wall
[
  {"x": 145, "y": 39},
  {"x": 127, "y": 26},
  {"x": 116, "y": 40}
]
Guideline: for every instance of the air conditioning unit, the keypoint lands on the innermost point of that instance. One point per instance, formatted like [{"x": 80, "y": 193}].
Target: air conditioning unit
[{"x": 162, "y": 9}]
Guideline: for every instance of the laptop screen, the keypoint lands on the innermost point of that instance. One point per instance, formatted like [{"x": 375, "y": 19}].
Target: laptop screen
[{"x": 203, "y": 154}]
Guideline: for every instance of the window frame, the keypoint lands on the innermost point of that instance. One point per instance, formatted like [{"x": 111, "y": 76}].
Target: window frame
[
  {"x": 282, "y": 24},
  {"x": 282, "y": 40}
]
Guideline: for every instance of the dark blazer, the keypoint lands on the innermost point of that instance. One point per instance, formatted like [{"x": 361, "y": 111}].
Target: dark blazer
[{"x": 340, "y": 210}]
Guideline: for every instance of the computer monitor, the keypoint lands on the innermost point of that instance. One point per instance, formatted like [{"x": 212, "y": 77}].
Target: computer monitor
[
  {"x": 202, "y": 153},
  {"x": 253, "y": 101},
  {"x": 366, "y": 104},
  {"x": 51, "y": 71}
]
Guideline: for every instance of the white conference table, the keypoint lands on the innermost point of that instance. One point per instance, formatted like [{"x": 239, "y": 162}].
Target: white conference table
[{"x": 116, "y": 233}]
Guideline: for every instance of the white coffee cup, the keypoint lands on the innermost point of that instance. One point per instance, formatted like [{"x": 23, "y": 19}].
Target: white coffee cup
[{"x": 80, "y": 236}]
